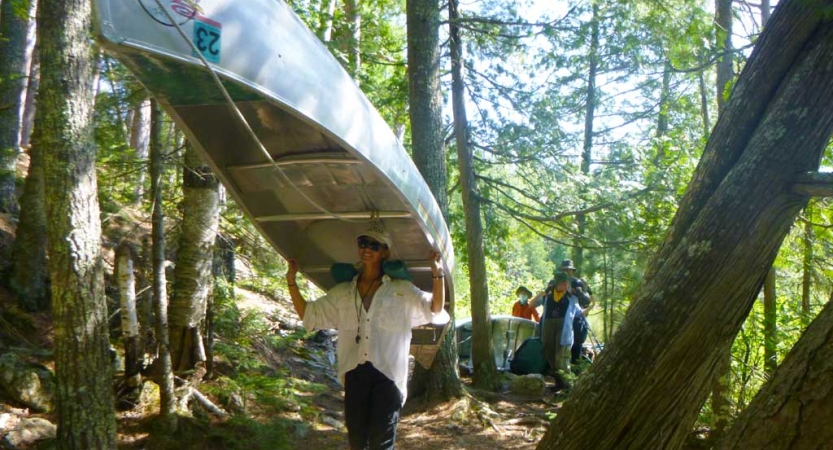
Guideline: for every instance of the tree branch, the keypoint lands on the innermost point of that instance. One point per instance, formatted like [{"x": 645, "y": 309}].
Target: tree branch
[{"x": 814, "y": 184}]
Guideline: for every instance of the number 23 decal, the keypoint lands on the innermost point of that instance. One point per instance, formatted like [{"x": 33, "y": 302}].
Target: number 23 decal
[
  {"x": 207, "y": 38},
  {"x": 207, "y": 41}
]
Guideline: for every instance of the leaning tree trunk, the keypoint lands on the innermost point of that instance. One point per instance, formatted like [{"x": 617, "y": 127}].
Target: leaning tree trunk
[
  {"x": 793, "y": 411},
  {"x": 192, "y": 280},
  {"x": 709, "y": 271},
  {"x": 14, "y": 72},
  {"x": 29, "y": 274},
  {"x": 164, "y": 374},
  {"x": 86, "y": 414},
  {"x": 482, "y": 350},
  {"x": 440, "y": 382}
]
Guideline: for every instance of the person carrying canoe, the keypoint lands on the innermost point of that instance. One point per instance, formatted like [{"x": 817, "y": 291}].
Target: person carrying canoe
[{"x": 373, "y": 314}]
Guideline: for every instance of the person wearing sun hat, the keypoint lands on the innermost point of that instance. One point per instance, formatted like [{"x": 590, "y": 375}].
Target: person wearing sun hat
[
  {"x": 560, "y": 308},
  {"x": 523, "y": 307},
  {"x": 586, "y": 301},
  {"x": 373, "y": 314}
]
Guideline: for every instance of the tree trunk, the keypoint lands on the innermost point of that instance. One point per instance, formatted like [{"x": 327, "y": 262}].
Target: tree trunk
[
  {"x": 725, "y": 68},
  {"x": 164, "y": 373},
  {"x": 440, "y": 382},
  {"x": 485, "y": 371},
  {"x": 792, "y": 411},
  {"x": 770, "y": 324},
  {"x": 807, "y": 265},
  {"x": 147, "y": 325},
  {"x": 704, "y": 98},
  {"x": 193, "y": 282},
  {"x": 83, "y": 374},
  {"x": 29, "y": 274},
  {"x": 353, "y": 14},
  {"x": 29, "y": 106},
  {"x": 31, "y": 65},
  {"x": 707, "y": 274},
  {"x": 589, "y": 117},
  {"x": 766, "y": 10},
  {"x": 139, "y": 141},
  {"x": 325, "y": 25},
  {"x": 664, "y": 104},
  {"x": 721, "y": 390},
  {"x": 129, "y": 317},
  {"x": 224, "y": 274},
  {"x": 14, "y": 72}
]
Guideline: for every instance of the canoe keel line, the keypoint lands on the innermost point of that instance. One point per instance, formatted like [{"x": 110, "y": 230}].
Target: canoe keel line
[{"x": 296, "y": 143}]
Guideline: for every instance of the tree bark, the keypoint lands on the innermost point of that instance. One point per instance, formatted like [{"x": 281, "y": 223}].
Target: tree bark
[
  {"x": 193, "y": 281},
  {"x": 725, "y": 69},
  {"x": 440, "y": 382},
  {"x": 485, "y": 371},
  {"x": 164, "y": 372},
  {"x": 139, "y": 141},
  {"x": 86, "y": 414},
  {"x": 702, "y": 287},
  {"x": 14, "y": 72},
  {"x": 792, "y": 411},
  {"x": 29, "y": 274},
  {"x": 129, "y": 317}
]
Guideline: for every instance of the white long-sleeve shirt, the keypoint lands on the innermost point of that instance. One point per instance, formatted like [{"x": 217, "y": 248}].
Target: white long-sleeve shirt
[{"x": 384, "y": 331}]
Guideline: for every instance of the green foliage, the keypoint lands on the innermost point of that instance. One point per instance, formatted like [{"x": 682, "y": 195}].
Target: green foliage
[{"x": 237, "y": 433}]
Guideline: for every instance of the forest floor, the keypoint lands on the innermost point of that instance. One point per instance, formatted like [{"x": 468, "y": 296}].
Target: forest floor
[{"x": 313, "y": 418}]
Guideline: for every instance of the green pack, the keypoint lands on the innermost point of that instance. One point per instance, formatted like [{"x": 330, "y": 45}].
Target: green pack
[{"x": 397, "y": 270}]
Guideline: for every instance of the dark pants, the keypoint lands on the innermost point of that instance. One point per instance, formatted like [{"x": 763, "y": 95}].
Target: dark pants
[
  {"x": 579, "y": 336},
  {"x": 371, "y": 408}
]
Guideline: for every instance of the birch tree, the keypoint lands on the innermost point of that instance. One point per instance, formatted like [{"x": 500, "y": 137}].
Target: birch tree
[{"x": 193, "y": 281}]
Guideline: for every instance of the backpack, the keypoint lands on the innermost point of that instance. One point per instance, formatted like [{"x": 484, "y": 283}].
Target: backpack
[
  {"x": 397, "y": 270},
  {"x": 529, "y": 358}
]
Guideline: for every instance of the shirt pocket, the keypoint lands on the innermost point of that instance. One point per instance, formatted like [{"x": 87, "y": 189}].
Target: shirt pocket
[
  {"x": 393, "y": 314},
  {"x": 348, "y": 316}
]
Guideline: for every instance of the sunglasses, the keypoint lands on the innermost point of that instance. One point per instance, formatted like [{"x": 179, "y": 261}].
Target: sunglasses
[{"x": 371, "y": 244}]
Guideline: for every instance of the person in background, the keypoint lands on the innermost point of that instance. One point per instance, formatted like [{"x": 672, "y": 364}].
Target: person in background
[
  {"x": 561, "y": 307},
  {"x": 524, "y": 307},
  {"x": 586, "y": 301},
  {"x": 374, "y": 315}
]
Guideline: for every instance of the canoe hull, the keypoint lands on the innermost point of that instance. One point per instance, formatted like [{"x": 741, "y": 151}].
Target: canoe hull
[{"x": 320, "y": 162}]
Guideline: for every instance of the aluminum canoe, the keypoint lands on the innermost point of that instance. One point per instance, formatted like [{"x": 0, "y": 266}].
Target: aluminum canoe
[{"x": 312, "y": 162}]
